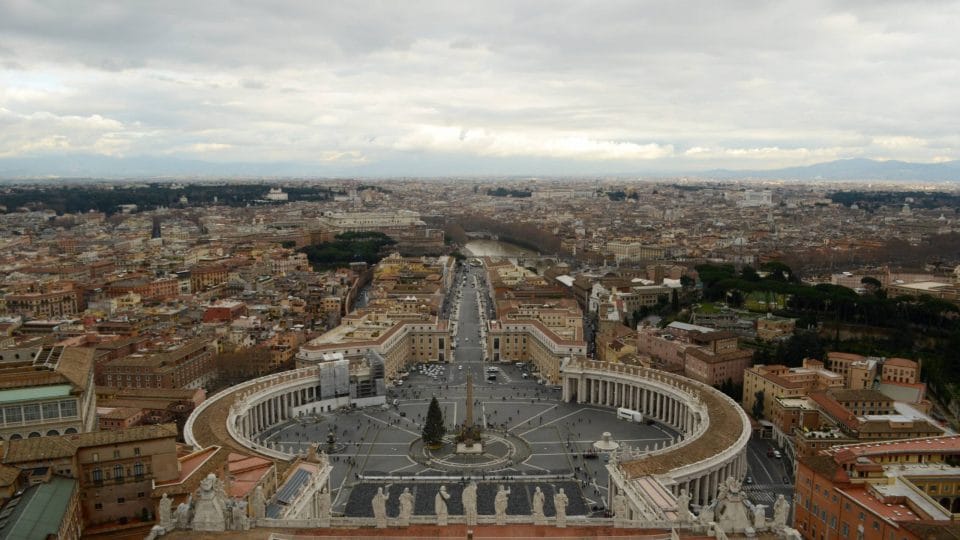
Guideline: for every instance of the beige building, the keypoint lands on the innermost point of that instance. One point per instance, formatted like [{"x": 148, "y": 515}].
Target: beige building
[
  {"x": 402, "y": 337},
  {"x": 543, "y": 334},
  {"x": 49, "y": 392},
  {"x": 857, "y": 371},
  {"x": 779, "y": 381},
  {"x": 116, "y": 469},
  {"x": 772, "y": 328}
]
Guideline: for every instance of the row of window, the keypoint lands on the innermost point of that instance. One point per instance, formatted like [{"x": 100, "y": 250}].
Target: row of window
[
  {"x": 32, "y": 412},
  {"x": 96, "y": 475},
  {"x": 120, "y": 500}
]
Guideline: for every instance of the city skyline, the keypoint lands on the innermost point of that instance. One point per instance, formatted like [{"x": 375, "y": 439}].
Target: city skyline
[{"x": 436, "y": 89}]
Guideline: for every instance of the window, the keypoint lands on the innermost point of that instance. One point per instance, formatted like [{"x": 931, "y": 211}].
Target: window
[
  {"x": 845, "y": 530},
  {"x": 31, "y": 412},
  {"x": 97, "y": 476},
  {"x": 98, "y": 506},
  {"x": 141, "y": 494},
  {"x": 116, "y": 454},
  {"x": 118, "y": 473},
  {"x": 51, "y": 410},
  {"x": 138, "y": 470},
  {"x": 121, "y": 500},
  {"x": 136, "y": 451},
  {"x": 13, "y": 414}
]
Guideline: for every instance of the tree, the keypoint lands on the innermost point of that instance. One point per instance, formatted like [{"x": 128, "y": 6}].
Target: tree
[
  {"x": 758, "y": 405},
  {"x": 749, "y": 274},
  {"x": 433, "y": 428},
  {"x": 675, "y": 301},
  {"x": 871, "y": 283}
]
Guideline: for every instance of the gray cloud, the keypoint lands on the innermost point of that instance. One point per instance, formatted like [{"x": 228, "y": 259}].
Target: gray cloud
[{"x": 605, "y": 85}]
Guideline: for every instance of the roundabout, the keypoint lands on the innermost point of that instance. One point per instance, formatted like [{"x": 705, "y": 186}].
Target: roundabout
[{"x": 501, "y": 449}]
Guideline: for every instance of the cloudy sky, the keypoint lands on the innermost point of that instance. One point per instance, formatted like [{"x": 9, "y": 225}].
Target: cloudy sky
[{"x": 482, "y": 87}]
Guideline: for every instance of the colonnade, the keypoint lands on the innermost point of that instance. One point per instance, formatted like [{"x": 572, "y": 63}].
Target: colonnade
[
  {"x": 675, "y": 401},
  {"x": 649, "y": 400},
  {"x": 278, "y": 408}
]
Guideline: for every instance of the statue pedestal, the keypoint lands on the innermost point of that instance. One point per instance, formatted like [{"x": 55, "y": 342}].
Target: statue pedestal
[{"x": 469, "y": 448}]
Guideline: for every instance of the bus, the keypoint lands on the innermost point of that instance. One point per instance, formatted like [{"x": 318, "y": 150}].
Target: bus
[{"x": 630, "y": 415}]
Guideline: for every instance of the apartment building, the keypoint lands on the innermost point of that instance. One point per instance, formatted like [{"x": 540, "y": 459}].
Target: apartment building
[
  {"x": 707, "y": 355},
  {"x": 43, "y": 300},
  {"x": 771, "y": 382},
  {"x": 185, "y": 364}
]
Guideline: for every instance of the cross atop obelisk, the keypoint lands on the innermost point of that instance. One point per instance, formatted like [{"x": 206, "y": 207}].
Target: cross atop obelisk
[{"x": 468, "y": 422}]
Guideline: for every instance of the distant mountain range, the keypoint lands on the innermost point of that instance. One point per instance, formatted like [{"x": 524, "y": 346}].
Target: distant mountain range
[
  {"x": 852, "y": 169},
  {"x": 95, "y": 166}
]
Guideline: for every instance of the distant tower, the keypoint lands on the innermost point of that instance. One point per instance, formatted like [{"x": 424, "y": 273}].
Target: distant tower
[{"x": 156, "y": 227}]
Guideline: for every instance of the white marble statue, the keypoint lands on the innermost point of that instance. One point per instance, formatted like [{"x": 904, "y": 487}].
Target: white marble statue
[
  {"x": 781, "y": 510},
  {"x": 182, "y": 515},
  {"x": 406, "y": 507},
  {"x": 259, "y": 503},
  {"x": 165, "y": 511},
  {"x": 324, "y": 505},
  {"x": 238, "y": 517},
  {"x": 500, "y": 504},
  {"x": 156, "y": 532},
  {"x": 440, "y": 506},
  {"x": 209, "y": 513},
  {"x": 619, "y": 507},
  {"x": 470, "y": 503},
  {"x": 683, "y": 507},
  {"x": 759, "y": 517},
  {"x": 560, "y": 501},
  {"x": 379, "y": 503},
  {"x": 537, "y": 513}
]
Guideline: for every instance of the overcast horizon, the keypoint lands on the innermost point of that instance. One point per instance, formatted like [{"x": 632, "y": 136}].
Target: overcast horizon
[{"x": 445, "y": 88}]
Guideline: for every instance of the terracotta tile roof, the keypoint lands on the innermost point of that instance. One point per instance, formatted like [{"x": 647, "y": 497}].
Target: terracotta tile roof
[
  {"x": 833, "y": 408},
  {"x": 863, "y": 394},
  {"x": 825, "y": 466},
  {"x": 75, "y": 365},
  {"x": 43, "y": 448},
  {"x": 900, "y": 362},
  {"x": 8, "y": 475},
  {"x": 194, "y": 467}
]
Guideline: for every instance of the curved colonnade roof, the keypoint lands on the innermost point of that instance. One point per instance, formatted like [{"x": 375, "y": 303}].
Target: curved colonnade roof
[{"x": 726, "y": 427}]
